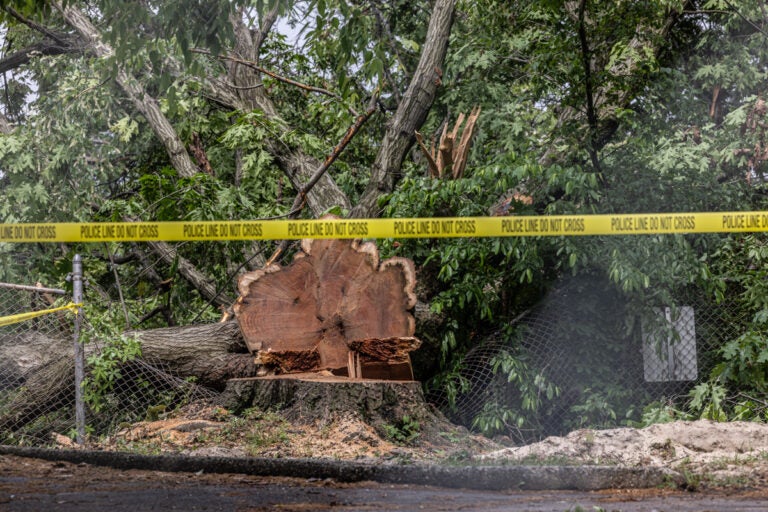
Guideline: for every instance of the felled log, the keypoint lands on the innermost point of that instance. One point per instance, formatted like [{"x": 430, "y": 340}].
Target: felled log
[
  {"x": 334, "y": 292},
  {"x": 212, "y": 353},
  {"x": 37, "y": 372}
]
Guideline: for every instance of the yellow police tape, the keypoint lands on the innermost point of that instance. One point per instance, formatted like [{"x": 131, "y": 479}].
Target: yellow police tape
[
  {"x": 23, "y": 317},
  {"x": 555, "y": 225}
]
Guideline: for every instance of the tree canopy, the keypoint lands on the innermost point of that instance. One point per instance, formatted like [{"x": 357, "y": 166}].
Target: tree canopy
[{"x": 215, "y": 110}]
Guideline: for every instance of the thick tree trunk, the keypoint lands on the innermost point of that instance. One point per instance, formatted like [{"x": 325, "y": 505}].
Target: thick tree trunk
[
  {"x": 313, "y": 397},
  {"x": 335, "y": 298},
  {"x": 412, "y": 111},
  {"x": 297, "y": 166},
  {"x": 37, "y": 372},
  {"x": 142, "y": 101}
]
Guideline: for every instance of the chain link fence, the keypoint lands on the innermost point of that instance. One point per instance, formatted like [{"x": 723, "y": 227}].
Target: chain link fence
[
  {"x": 606, "y": 358},
  {"x": 37, "y": 374}
]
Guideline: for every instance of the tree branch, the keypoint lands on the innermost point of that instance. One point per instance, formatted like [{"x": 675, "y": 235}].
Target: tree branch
[
  {"x": 412, "y": 111},
  {"x": 591, "y": 112},
  {"x": 45, "y": 47},
  {"x": 265, "y": 26},
  {"x": 199, "y": 281},
  {"x": 301, "y": 198},
  {"x": 142, "y": 101},
  {"x": 62, "y": 39},
  {"x": 279, "y": 78}
]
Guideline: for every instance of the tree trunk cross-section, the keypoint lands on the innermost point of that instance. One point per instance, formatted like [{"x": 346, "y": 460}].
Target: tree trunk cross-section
[{"x": 335, "y": 298}]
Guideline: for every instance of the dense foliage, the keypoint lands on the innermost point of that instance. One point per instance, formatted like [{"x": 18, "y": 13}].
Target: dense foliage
[{"x": 587, "y": 107}]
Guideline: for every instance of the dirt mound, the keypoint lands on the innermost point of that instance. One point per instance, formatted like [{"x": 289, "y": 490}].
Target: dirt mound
[
  {"x": 657, "y": 445},
  {"x": 720, "y": 453}
]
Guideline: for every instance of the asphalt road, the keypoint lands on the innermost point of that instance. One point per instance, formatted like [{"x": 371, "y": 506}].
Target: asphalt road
[{"x": 28, "y": 484}]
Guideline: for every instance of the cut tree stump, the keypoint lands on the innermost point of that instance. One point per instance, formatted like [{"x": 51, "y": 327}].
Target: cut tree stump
[
  {"x": 336, "y": 307},
  {"x": 313, "y": 397}
]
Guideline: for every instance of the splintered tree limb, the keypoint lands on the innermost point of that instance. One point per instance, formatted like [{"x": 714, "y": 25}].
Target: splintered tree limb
[
  {"x": 461, "y": 152},
  {"x": 445, "y": 152},
  {"x": 433, "y": 170},
  {"x": 451, "y": 156}
]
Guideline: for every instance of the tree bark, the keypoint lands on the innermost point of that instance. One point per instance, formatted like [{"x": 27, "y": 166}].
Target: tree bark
[
  {"x": 5, "y": 125},
  {"x": 37, "y": 371},
  {"x": 212, "y": 353},
  {"x": 315, "y": 398},
  {"x": 411, "y": 112},
  {"x": 142, "y": 101}
]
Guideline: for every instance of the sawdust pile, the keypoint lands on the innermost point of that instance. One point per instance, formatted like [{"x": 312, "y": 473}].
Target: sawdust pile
[
  {"x": 212, "y": 431},
  {"x": 690, "y": 444}
]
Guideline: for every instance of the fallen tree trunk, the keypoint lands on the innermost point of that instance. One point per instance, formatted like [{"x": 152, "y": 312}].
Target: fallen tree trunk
[
  {"x": 212, "y": 353},
  {"x": 37, "y": 372},
  {"x": 336, "y": 297}
]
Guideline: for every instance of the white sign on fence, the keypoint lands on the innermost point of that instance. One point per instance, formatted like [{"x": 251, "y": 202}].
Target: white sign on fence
[{"x": 669, "y": 346}]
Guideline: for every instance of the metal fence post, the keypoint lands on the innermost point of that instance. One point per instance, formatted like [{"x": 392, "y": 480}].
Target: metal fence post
[{"x": 77, "y": 298}]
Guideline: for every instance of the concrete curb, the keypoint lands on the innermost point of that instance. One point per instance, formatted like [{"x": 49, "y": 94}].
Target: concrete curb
[{"x": 488, "y": 478}]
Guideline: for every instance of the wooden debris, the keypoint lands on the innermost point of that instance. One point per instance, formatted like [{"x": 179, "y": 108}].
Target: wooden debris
[
  {"x": 449, "y": 157},
  {"x": 290, "y": 361},
  {"x": 395, "y": 349}
]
